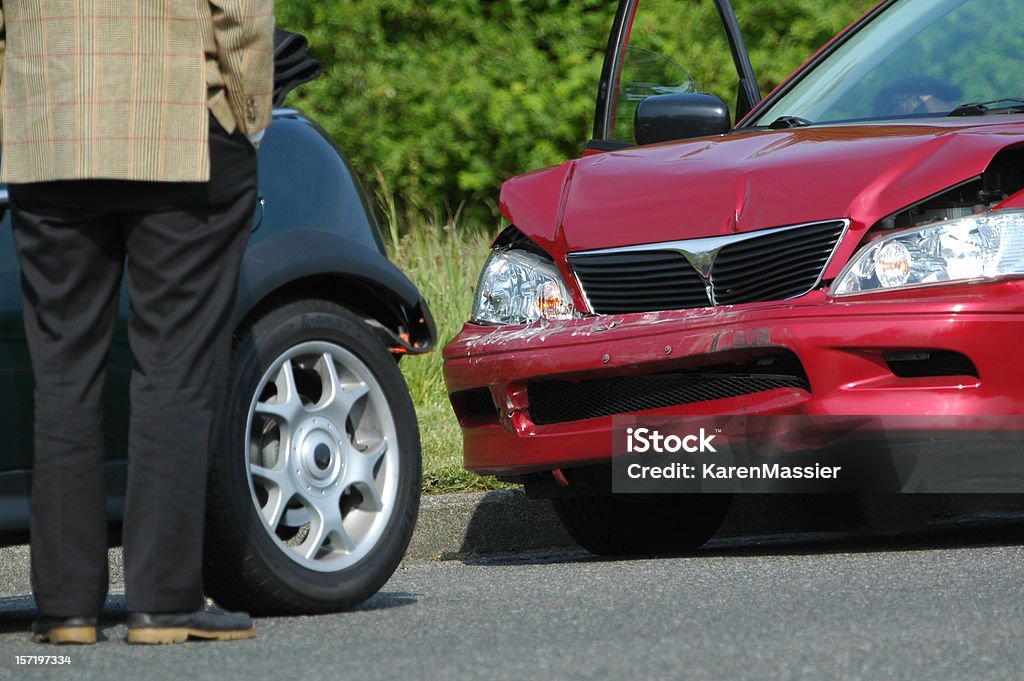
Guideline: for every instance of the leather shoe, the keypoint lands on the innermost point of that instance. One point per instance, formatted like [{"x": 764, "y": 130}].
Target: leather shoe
[
  {"x": 64, "y": 630},
  {"x": 209, "y": 622}
]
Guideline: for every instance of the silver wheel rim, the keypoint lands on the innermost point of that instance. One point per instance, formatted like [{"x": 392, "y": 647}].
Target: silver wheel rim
[{"x": 322, "y": 456}]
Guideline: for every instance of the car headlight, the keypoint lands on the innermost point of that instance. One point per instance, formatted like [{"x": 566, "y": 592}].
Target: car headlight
[
  {"x": 519, "y": 287},
  {"x": 978, "y": 247}
]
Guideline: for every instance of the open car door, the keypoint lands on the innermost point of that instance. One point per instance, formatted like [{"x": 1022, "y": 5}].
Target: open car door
[{"x": 639, "y": 64}]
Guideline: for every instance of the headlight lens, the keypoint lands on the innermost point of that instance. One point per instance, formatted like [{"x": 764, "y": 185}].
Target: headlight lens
[
  {"x": 977, "y": 247},
  {"x": 518, "y": 287}
]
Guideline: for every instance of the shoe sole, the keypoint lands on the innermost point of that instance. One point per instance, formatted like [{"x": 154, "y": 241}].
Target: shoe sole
[
  {"x": 162, "y": 635},
  {"x": 61, "y": 635}
]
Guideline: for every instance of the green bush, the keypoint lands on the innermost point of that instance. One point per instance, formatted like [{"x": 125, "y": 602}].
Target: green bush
[{"x": 448, "y": 99}]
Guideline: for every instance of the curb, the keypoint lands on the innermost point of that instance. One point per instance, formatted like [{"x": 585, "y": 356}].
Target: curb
[{"x": 502, "y": 521}]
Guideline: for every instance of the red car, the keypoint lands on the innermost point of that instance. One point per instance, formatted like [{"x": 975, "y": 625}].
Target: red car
[{"x": 853, "y": 247}]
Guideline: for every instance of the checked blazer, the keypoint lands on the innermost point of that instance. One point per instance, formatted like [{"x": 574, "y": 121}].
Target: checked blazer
[{"x": 122, "y": 89}]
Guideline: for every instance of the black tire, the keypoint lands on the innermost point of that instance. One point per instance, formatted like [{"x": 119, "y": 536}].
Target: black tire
[
  {"x": 250, "y": 566},
  {"x": 634, "y": 524},
  {"x": 896, "y": 511}
]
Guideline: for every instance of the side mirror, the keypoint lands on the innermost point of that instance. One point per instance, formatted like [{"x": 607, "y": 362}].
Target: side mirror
[{"x": 662, "y": 118}]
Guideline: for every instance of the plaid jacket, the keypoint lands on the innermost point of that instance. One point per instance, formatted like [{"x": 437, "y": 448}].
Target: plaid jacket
[{"x": 120, "y": 89}]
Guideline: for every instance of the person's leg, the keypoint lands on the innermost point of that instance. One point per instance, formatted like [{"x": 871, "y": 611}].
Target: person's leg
[
  {"x": 182, "y": 275},
  {"x": 71, "y": 261}
]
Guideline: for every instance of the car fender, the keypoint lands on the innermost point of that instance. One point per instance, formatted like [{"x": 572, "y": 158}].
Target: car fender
[{"x": 281, "y": 261}]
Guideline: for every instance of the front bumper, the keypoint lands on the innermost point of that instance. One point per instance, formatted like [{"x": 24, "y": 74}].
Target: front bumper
[{"x": 844, "y": 347}]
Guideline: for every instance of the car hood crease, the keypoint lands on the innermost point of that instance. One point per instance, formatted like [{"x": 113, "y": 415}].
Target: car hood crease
[{"x": 748, "y": 181}]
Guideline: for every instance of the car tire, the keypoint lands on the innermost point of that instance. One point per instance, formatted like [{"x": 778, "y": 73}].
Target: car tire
[
  {"x": 900, "y": 511},
  {"x": 316, "y": 471},
  {"x": 621, "y": 525}
]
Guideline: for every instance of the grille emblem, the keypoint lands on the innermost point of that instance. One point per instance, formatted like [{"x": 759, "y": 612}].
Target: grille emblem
[{"x": 701, "y": 254}]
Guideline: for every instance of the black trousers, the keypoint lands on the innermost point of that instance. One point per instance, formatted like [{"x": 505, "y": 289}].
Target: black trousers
[{"x": 181, "y": 246}]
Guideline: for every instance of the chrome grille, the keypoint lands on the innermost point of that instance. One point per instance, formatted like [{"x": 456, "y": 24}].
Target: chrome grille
[{"x": 744, "y": 268}]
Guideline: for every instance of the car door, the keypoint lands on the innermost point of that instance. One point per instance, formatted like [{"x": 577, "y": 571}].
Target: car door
[{"x": 643, "y": 59}]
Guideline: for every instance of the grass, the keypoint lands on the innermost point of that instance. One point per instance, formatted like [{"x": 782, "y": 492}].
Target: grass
[{"x": 443, "y": 259}]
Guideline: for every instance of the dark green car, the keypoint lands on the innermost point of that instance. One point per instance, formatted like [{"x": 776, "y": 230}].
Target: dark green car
[{"x": 315, "y": 477}]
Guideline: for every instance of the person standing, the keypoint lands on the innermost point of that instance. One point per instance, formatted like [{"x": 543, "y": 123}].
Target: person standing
[{"x": 128, "y": 138}]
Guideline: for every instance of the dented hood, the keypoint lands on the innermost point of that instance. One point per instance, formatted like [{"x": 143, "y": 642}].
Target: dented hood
[{"x": 750, "y": 180}]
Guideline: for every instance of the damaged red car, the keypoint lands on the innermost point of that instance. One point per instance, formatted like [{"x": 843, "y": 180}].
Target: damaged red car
[{"x": 854, "y": 245}]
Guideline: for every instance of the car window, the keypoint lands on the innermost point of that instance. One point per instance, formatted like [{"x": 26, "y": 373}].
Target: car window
[
  {"x": 651, "y": 61},
  {"x": 919, "y": 58},
  {"x": 645, "y": 73}
]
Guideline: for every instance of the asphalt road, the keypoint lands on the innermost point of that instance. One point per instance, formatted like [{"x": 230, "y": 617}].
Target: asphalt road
[{"x": 943, "y": 604}]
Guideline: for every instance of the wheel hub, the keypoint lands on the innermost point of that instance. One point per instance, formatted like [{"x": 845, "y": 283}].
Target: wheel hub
[
  {"x": 322, "y": 456},
  {"x": 321, "y": 460}
]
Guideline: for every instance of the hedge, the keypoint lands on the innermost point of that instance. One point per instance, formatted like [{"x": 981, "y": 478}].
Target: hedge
[{"x": 448, "y": 99}]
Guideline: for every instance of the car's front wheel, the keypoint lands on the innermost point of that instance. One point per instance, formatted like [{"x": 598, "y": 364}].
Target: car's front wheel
[
  {"x": 315, "y": 477},
  {"x": 634, "y": 524}
]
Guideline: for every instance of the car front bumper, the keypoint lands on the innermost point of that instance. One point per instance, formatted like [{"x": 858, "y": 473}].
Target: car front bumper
[{"x": 845, "y": 347}]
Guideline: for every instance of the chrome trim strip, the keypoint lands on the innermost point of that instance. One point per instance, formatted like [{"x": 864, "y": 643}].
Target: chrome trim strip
[
  {"x": 581, "y": 288},
  {"x": 706, "y": 244}
]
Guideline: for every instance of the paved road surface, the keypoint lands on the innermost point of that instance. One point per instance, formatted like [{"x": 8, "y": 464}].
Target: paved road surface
[{"x": 944, "y": 604}]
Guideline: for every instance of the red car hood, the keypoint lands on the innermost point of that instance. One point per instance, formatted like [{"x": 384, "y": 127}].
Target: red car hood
[{"x": 750, "y": 180}]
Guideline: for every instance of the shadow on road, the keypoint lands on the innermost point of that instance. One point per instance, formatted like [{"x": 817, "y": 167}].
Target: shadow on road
[
  {"x": 767, "y": 525},
  {"x": 386, "y": 600},
  {"x": 17, "y": 612}
]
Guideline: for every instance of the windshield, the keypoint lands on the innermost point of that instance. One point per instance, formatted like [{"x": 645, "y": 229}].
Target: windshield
[{"x": 918, "y": 58}]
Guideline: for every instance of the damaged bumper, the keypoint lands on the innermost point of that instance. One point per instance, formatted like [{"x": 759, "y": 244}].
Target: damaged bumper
[{"x": 539, "y": 397}]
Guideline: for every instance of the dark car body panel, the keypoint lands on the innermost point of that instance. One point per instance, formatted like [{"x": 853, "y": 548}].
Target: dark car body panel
[{"x": 319, "y": 190}]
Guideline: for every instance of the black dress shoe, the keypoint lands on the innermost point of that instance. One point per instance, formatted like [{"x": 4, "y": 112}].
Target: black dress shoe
[
  {"x": 209, "y": 622},
  {"x": 64, "y": 630}
]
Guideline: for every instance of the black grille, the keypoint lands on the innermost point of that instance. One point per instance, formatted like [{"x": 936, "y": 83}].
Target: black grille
[
  {"x": 561, "y": 401},
  {"x": 774, "y": 266},
  {"x": 924, "y": 363},
  {"x": 617, "y": 283},
  {"x": 770, "y": 267}
]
